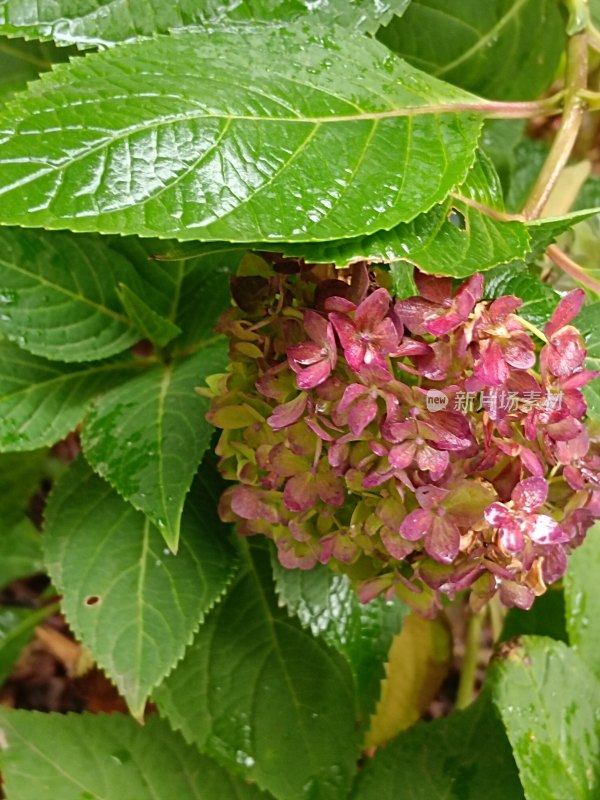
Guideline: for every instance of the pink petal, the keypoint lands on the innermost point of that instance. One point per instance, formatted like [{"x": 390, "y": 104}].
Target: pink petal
[
  {"x": 497, "y": 515},
  {"x": 468, "y": 294},
  {"x": 574, "y": 478},
  {"x": 411, "y": 347},
  {"x": 491, "y": 368},
  {"x": 401, "y": 456},
  {"x": 516, "y": 595},
  {"x": 442, "y": 542},
  {"x": 414, "y": 312},
  {"x": 544, "y": 530},
  {"x": 450, "y": 429},
  {"x": 554, "y": 564},
  {"x": 566, "y": 352},
  {"x": 511, "y": 537},
  {"x": 318, "y": 430},
  {"x": 345, "y": 328},
  {"x": 304, "y": 354},
  {"x": 250, "y": 503},
  {"x": 372, "y": 310},
  {"x": 330, "y": 489},
  {"x": 567, "y": 309},
  {"x": 300, "y": 492},
  {"x": 315, "y": 326},
  {"x": 416, "y": 524},
  {"x": 435, "y": 461},
  {"x": 444, "y": 324},
  {"x": 565, "y": 429},
  {"x": 530, "y": 494},
  {"x": 313, "y": 376},
  {"x": 351, "y": 393},
  {"x": 362, "y": 413},
  {"x": 504, "y": 306},
  {"x": 519, "y": 352},
  {"x": 531, "y": 462},
  {"x": 387, "y": 336},
  {"x": 579, "y": 379},
  {"x": 339, "y": 304},
  {"x": 396, "y": 546},
  {"x": 573, "y": 449},
  {"x": 289, "y": 413},
  {"x": 437, "y": 290},
  {"x": 430, "y": 496}
]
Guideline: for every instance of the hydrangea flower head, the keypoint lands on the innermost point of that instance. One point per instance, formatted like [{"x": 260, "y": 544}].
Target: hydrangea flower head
[{"x": 421, "y": 446}]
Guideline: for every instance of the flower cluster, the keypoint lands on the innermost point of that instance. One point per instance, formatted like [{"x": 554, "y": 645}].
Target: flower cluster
[{"x": 338, "y": 455}]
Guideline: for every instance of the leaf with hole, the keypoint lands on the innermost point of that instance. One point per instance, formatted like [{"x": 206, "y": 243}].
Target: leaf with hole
[
  {"x": 85, "y": 756},
  {"x": 197, "y": 152},
  {"x": 264, "y": 696},
  {"x": 128, "y": 599},
  {"x": 458, "y": 237}
]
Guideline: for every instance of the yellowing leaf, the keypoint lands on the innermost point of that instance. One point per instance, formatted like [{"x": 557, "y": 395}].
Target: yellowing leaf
[{"x": 418, "y": 663}]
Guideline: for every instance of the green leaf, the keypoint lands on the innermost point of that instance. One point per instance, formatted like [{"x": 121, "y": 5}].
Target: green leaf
[
  {"x": 17, "y": 629},
  {"x": 492, "y": 48},
  {"x": 539, "y": 299},
  {"x": 42, "y": 401},
  {"x": 132, "y": 603},
  {"x": 327, "y": 605},
  {"x": 107, "y": 21},
  {"x": 548, "y": 700},
  {"x": 582, "y": 596},
  {"x": 545, "y": 231},
  {"x": 204, "y": 294},
  {"x": 463, "y": 757},
  {"x": 20, "y": 552},
  {"x": 403, "y": 281},
  {"x": 459, "y": 237},
  {"x": 264, "y": 696},
  {"x": 92, "y": 756},
  {"x": 20, "y": 476},
  {"x": 58, "y": 295},
  {"x": 196, "y": 153},
  {"x": 147, "y": 436},
  {"x": 527, "y": 161},
  {"x": 587, "y": 323},
  {"x": 150, "y": 324}
]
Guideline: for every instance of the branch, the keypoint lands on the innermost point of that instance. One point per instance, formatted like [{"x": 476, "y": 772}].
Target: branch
[
  {"x": 575, "y": 107},
  {"x": 572, "y": 268}
]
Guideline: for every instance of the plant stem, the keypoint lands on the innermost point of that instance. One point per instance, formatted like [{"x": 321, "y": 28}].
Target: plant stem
[
  {"x": 575, "y": 107},
  {"x": 531, "y": 327},
  {"x": 572, "y": 268},
  {"x": 466, "y": 686},
  {"x": 496, "y": 617}
]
